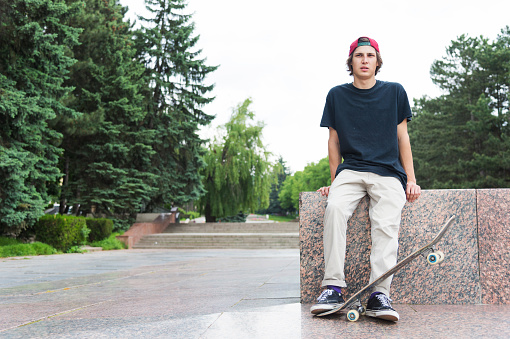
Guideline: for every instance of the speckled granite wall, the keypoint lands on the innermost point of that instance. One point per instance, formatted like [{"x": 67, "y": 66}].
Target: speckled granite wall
[
  {"x": 455, "y": 281},
  {"x": 494, "y": 237}
]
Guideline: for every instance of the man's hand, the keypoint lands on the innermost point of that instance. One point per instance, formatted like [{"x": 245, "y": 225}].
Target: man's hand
[
  {"x": 324, "y": 190},
  {"x": 413, "y": 191}
]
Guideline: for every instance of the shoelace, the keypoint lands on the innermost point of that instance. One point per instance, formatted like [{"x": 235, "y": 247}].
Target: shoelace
[
  {"x": 385, "y": 301},
  {"x": 325, "y": 294}
]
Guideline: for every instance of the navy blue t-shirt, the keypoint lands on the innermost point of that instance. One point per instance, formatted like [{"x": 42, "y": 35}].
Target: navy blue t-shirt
[{"x": 366, "y": 122}]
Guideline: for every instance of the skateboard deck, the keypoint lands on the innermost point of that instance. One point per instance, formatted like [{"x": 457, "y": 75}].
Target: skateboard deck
[{"x": 353, "y": 305}]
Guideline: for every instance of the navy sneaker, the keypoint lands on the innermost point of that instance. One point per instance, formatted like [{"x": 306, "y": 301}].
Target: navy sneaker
[
  {"x": 379, "y": 306},
  {"x": 328, "y": 300}
]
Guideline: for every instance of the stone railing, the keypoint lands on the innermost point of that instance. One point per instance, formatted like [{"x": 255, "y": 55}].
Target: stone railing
[
  {"x": 146, "y": 224},
  {"x": 476, "y": 268}
]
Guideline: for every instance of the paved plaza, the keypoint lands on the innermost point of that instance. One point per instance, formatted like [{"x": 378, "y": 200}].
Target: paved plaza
[{"x": 199, "y": 294}]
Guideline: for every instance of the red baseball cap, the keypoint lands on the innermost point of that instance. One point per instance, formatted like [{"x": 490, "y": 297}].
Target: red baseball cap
[{"x": 358, "y": 43}]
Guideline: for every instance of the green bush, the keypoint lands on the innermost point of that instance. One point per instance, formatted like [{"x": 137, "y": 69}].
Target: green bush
[
  {"x": 61, "y": 231},
  {"x": 189, "y": 214},
  {"x": 75, "y": 249},
  {"x": 109, "y": 244},
  {"x": 100, "y": 228},
  {"x": 241, "y": 217},
  {"x": 18, "y": 250},
  {"x": 4, "y": 241},
  {"x": 43, "y": 249}
]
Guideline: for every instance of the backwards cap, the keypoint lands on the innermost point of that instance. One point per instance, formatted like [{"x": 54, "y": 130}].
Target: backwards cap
[{"x": 358, "y": 43}]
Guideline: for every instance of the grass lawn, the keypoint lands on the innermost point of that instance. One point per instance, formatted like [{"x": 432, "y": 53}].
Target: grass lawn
[
  {"x": 14, "y": 248},
  {"x": 283, "y": 218}
]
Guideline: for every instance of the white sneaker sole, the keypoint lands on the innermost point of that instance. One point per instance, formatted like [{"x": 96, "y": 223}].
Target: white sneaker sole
[
  {"x": 386, "y": 315},
  {"x": 321, "y": 308}
]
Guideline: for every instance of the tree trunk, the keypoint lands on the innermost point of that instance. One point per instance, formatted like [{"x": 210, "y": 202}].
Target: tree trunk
[
  {"x": 63, "y": 200},
  {"x": 76, "y": 207},
  {"x": 208, "y": 216}
]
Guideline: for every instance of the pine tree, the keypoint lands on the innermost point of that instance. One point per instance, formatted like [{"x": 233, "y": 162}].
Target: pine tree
[
  {"x": 175, "y": 93},
  {"x": 461, "y": 139},
  {"x": 34, "y": 62},
  {"x": 238, "y": 176},
  {"x": 107, "y": 154}
]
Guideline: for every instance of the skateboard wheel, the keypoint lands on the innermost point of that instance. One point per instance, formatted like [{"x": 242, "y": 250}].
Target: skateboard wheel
[
  {"x": 362, "y": 310},
  {"x": 433, "y": 258},
  {"x": 352, "y": 315},
  {"x": 441, "y": 256}
]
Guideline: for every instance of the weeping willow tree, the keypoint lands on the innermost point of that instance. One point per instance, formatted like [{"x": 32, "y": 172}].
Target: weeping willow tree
[{"x": 239, "y": 175}]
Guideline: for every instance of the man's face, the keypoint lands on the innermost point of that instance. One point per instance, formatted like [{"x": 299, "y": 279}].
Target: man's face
[{"x": 364, "y": 62}]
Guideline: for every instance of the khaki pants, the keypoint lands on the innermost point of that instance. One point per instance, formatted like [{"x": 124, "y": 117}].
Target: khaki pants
[{"x": 387, "y": 198}]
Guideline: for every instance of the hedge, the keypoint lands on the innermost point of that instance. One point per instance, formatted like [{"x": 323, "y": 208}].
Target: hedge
[
  {"x": 100, "y": 228},
  {"x": 18, "y": 250},
  {"x": 61, "y": 231}
]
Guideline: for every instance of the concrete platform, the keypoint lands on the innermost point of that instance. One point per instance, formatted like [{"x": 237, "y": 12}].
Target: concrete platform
[{"x": 199, "y": 294}]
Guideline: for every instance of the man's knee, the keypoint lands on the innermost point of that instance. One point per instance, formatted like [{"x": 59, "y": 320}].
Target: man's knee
[
  {"x": 336, "y": 217},
  {"x": 336, "y": 214}
]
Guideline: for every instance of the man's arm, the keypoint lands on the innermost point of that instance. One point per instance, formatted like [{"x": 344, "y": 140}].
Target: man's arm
[
  {"x": 413, "y": 191},
  {"x": 334, "y": 157},
  {"x": 333, "y": 152}
]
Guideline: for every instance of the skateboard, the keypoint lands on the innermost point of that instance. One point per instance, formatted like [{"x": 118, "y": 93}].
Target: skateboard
[{"x": 353, "y": 305}]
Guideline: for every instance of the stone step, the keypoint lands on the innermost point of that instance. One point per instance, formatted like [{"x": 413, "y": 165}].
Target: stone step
[
  {"x": 221, "y": 237},
  {"x": 226, "y": 246},
  {"x": 283, "y": 227},
  {"x": 220, "y": 240},
  {"x": 191, "y": 244},
  {"x": 215, "y": 245}
]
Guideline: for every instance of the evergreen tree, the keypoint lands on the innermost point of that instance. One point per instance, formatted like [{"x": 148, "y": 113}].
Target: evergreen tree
[
  {"x": 175, "y": 93},
  {"x": 107, "y": 152},
  {"x": 462, "y": 138},
  {"x": 238, "y": 176},
  {"x": 34, "y": 62}
]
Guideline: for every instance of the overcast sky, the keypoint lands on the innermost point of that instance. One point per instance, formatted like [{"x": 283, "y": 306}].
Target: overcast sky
[{"x": 287, "y": 54}]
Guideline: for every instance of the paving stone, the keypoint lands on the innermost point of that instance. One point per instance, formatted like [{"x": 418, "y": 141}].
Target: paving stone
[{"x": 198, "y": 294}]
